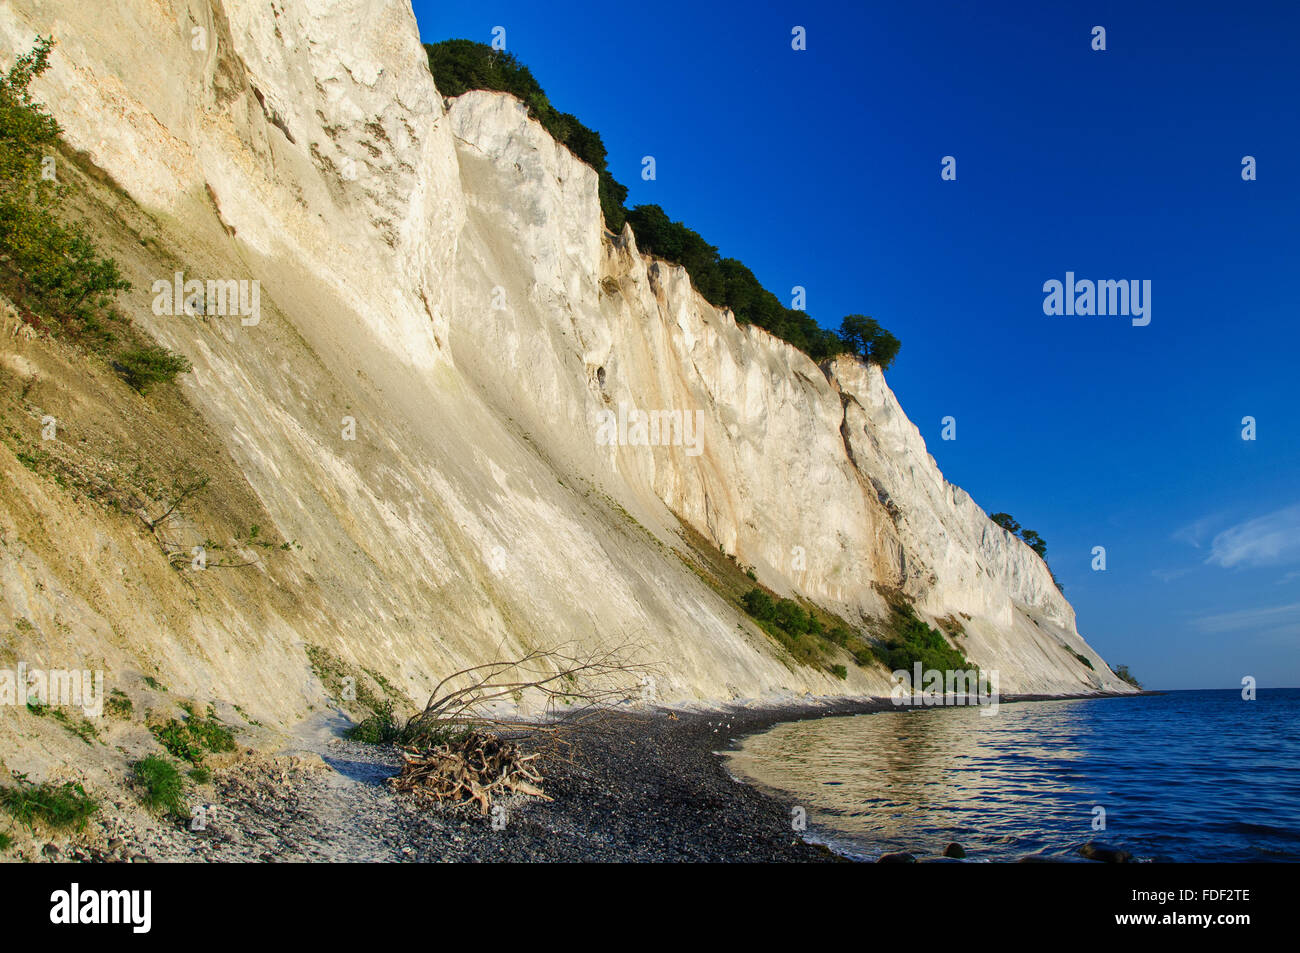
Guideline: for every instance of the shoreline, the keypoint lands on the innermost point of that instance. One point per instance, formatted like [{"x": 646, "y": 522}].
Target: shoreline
[{"x": 650, "y": 786}]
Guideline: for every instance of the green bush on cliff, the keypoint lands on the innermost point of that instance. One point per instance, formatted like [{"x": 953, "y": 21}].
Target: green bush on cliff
[
  {"x": 461, "y": 65},
  {"x": 865, "y": 337},
  {"x": 381, "y": 728},
  {"x": 1123, "y": 672},
  {"x": 792, "y": 617},
  {"x": 801, "y": 632},
  {"x": 759, "y": 605},
  {"x": 46, "y": 261},
  {"x": 143, "y": 367},
  {"x": 50, "y": 265},
  {"x": 910, "y": 640},
  {"x": 728, "y": 283}
]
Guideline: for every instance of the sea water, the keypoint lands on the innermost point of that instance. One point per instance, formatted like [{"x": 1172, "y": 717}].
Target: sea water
[{"x": 1183, "y": 776}]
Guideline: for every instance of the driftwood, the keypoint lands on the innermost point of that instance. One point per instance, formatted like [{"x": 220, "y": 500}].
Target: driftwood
[
  {"x": 459, "y": 748},
  {"x": 476, "y": 766},
  {"x": 573, "y": 683}
]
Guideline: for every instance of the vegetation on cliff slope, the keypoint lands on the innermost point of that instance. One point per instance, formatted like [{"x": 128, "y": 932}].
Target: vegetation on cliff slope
[
  {"x": 461, "y": 65},
  {"x": 908, "y": 640},
  {"x": 50, "y": 266},
  {"x": 1123, "y": 672},
  {"x": 63, "y": 805}
]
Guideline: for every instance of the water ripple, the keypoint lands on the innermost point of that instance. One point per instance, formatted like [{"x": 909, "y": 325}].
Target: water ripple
[{"x": 1186, "y": 776}]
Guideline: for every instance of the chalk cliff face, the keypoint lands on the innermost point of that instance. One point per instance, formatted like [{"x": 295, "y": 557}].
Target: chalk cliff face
[{"x": 440, "y": 276}]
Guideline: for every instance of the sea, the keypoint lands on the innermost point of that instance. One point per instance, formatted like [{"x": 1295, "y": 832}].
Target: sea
[{"x": 1186, "y": 776}]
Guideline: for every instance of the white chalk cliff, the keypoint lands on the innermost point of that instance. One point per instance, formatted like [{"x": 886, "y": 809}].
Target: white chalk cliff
[{"x": 441, "y": 275}]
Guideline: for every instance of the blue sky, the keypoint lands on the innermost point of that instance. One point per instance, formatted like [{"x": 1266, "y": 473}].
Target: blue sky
[{"x": 821, "y": 168}]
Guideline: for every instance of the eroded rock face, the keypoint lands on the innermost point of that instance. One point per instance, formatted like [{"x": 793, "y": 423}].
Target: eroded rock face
[
  {"x": 813, "y": 475},
  {"x": 442, "y": 277}
]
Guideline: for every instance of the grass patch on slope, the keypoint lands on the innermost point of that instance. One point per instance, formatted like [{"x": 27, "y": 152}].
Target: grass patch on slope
[
  {"x": 809, "y": 635},
  {"x": 64, "y": 805},
  {"x": 192, "y": 739},
  {"x": 162, "y": 788},
  {"x": 364, "y": 693}
]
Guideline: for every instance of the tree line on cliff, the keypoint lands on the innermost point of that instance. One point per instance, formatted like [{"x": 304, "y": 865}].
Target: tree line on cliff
[{"x": 461, "y": 65}]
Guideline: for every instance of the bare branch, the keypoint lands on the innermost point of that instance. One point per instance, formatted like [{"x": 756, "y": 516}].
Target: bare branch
[{"x": 181, "y": 492}]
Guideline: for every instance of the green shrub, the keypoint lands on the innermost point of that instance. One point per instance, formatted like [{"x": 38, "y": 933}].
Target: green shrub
[
  {"x": 162, "y": 786},
  {"x": 150, "y": 364},
  {"x": 839, "y": 671},
  {"x": 1085, "y": 660},
  {"x": 177, "y": 741},
  {"x": 1123, "y": 672},
  {"x": 190, "y": 740},
  {"x": 382, "y": 728},
  {"x": 81, "y": 727},
  {"x": 802, "y": 632},
  {"x": 44, "y": 261},
  {"x": 377, "y": 729},
  {"x": 760, "y": 605},
  {"x": 56, "y": 805},
  {"x": 911, "y": 640},
  {"x": 50, "y": 265},
  {"x": 119, "y": 705},
  {"x": 728, "y": 283},
  {"x": 792, "y": 617}
]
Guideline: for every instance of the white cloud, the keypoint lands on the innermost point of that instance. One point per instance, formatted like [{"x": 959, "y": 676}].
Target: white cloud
[
  {"x": 1194, "y": 533},
  {"x": 1274, "y": 618},
  {"x": 1264, "y": 541}
]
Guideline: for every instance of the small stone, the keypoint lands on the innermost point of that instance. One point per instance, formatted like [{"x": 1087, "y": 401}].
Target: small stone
[
  {"x": 901, "y": 857},
  {"x": 954, "y": 850},
  {"x": 49, "y": 850},
  {"x": 1104, "y": 853}
]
